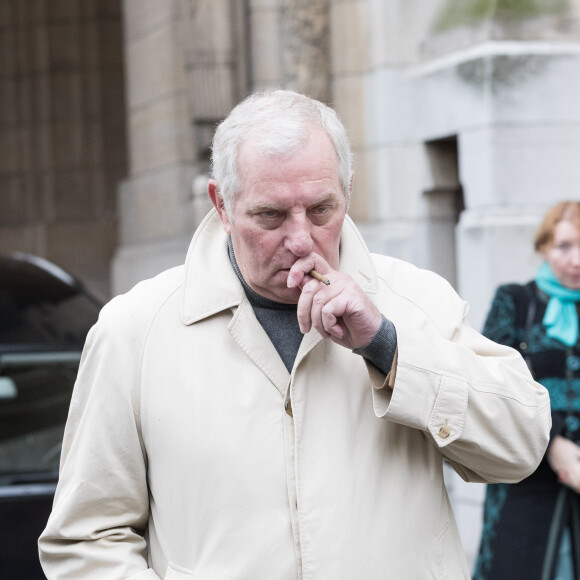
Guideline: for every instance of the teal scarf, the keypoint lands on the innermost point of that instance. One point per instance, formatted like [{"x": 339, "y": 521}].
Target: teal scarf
[{"x": 560, "y": 318}]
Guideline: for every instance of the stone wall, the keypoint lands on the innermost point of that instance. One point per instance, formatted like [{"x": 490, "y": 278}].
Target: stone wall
[{"x": 62, "y": 132}]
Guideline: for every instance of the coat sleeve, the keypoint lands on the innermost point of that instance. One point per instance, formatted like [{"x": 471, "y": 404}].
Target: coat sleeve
[
  {"x": 473, "y": 398},
  {"x": 101, "y": 506}
]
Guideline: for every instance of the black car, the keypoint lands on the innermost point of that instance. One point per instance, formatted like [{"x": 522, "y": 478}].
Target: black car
[{"x": 45, "y": 315}]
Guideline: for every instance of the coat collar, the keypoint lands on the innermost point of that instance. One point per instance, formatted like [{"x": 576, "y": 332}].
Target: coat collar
[{"x": 211, "y": 285}]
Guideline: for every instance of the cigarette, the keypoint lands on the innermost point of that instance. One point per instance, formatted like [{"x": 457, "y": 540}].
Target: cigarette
[{"x": 319, "y": 277}]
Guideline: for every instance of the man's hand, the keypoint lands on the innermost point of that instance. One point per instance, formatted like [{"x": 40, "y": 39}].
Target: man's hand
[
  {"x": 564, "y": 459},
  {"x": 340, "y": 311}
]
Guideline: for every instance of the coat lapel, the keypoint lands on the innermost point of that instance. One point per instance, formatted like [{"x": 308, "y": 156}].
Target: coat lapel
[
  {"x": 253, "y": 340},
  {"x": 211, "y": 286}
]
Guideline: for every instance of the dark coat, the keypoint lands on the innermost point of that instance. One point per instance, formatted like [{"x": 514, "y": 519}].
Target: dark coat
[{"x": 517, "y": 517}]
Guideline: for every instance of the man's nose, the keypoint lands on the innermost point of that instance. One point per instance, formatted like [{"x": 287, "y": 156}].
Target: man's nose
[{"x": 299, "y": 240}]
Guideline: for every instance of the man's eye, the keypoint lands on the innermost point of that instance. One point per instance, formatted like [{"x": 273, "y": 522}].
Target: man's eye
[
  {"x": 270, "y": 214},
  {"x": 565, "y": 246},
  {"x": 321, "y": 210}
]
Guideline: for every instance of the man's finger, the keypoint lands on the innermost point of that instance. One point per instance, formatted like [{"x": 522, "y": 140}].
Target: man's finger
[{"x": 304, "y": 306}]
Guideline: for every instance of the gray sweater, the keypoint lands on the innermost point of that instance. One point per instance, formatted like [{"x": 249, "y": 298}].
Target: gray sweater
[{"x": 280, "y": 322}]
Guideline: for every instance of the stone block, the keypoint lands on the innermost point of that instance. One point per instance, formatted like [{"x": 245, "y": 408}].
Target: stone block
[
  {"x": 22, "y": 238},
  {"x": 109, "y": 9},
  {"x": 43, "y": 146},
  {"x": 349, "y": 102},
  {"x": 519, "y": 164},
  {"x": 110, "y": 42},
  {"x": 143, "y": 16},
  {"x": 391, "y": 237},
  {"x": 9, "y": 151},
  {"x": 90, "y": 45},
  {"x": 89, "y": 9},
  {"x": 489, "y": 83},
  {"x": 101, "y": 199},
  {"x": 213, "y": 88},
  {"x": 361, "y": 191},
  {"x": 26, "y": 147},
  {"x": 157, "y": 205},
  {"x": 66, "y": 97},
  {"x": 67, "y": 140},
  {"x": 77, "y": 245},
  {"x": 64, "y": 46},
  {"x": 25, "y": 50},
  {"x": 536, "y": 83},
  {"x": 8, "y": 103},
  {"x": 85, "y": 250},
  {"x": 42, "y": 55},
  {"x": 440, "y": 104},
  {"x": 63, "y": 10},
  {"x": 265, "y": 49},
  {"x": 153, "y": 63},
  {"x": 94, "y": 154},
  {"x": 92, "y": 95},
  {"x": 391, "y": 107},
  {"x": 14, "y": 203},
  {"x": 398, "y": 31},
  {"x": 8, "y": 52},
  {"x": 112, "y": 176},
  {"x": 212, "y": 34},
  {"x": 160, "y": 134},
  {"x": 399, "y": 176},
  {"x": 72, "y": 199},
  {"x": 41, "y": 95},
  {"x": 257, "y": 5},
  {"x": 29, "y": 13},
  {"x": 349, "y": 38},
  {"x": 134, "y": 263},
  {"x": 113, "y": 115},
  {"x": 26, "y": 101},
  {"x": 495, "y": 246}
]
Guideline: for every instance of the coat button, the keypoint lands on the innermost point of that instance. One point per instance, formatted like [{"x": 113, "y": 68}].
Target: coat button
[
  {"x": 288, "y": 406},
  {"x": 444, "y": 432}
]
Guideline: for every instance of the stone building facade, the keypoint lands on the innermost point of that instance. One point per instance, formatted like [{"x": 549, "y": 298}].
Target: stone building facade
[
  {"x": 62, "y": 132},
  {"x": 464, "y": 116}
]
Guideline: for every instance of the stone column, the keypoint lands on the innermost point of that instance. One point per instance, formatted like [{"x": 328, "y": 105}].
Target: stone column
[
  {"x": 62, "y": 133},
  {"x": 185, "y": 71},
  {"x": 156, "y": 219},
  {"x": 349, "y": 59},
  {"x": 290, "y": 46},
  {"x": 305, "y": 45}
]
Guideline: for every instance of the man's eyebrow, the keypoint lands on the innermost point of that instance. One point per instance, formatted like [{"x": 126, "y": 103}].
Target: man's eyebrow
[
  {"x": 265, "y": 206},
  {"x": 260, "y": 206},
  {"x": 330, "y": 197}
]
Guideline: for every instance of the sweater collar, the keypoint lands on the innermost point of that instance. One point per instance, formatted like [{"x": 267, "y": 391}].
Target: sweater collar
[{"x": 211, "y": 284}]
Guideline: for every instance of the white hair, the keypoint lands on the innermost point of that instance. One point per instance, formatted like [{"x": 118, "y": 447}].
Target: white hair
[{"x": 280, "y": 122}]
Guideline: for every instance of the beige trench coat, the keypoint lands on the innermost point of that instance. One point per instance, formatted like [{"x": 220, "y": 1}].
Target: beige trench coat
[{"x": 191, "y": 453}]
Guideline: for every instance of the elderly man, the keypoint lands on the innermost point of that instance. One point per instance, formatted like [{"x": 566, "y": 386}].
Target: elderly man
[{"x": 280, "y": 407}]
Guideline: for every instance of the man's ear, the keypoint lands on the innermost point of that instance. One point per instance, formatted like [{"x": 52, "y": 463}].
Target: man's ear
[{"x": 213, "y": 191}]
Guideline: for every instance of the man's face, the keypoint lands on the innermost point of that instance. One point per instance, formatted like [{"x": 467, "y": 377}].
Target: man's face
[{"x": 287, "y": 208}]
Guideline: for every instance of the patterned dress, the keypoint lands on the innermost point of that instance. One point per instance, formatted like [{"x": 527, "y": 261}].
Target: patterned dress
[{"x": 517, "y": 517}]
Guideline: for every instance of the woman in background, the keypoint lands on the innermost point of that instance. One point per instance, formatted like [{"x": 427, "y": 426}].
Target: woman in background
[{"x": 531, "y": 530}]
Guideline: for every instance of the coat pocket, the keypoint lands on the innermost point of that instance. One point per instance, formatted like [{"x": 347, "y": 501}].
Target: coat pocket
[{"x": 177, "y": 573}]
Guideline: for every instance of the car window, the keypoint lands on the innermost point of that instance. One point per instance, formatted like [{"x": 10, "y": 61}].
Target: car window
[{"x": 35, "y": 392}]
